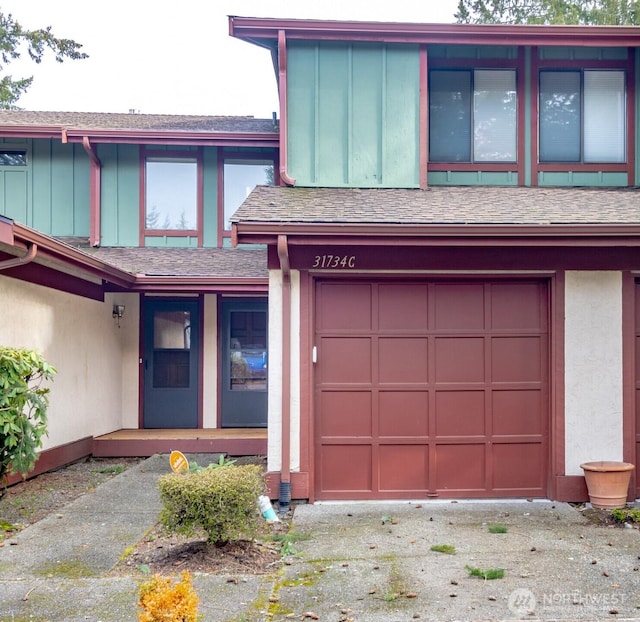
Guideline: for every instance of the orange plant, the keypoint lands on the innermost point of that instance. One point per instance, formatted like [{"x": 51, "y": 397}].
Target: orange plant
[{"x": 163, "y": 601}]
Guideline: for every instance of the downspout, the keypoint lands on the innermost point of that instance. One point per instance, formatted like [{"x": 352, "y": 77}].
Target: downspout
[
  {"x": 285, "y": 467},
  {"x": 94, "y": 197},
  {"x": 282, "y": 93},
  {"x": 28, "y": 257}
]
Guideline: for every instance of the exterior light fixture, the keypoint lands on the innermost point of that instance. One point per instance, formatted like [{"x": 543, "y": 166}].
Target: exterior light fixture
[{"x": 118, "y": 312}]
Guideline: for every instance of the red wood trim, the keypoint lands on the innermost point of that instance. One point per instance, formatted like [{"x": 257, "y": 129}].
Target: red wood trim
[
  {"x": 181, "y": 233},
  {"x": 300, "y": 488},
  {"x": 557, "y": 439},
  {"x": 629, "y": 376},
  {"x": 307, "y": 412},
  {"x": 95, "y": 175},
  {"x": 220, "y": 195},
  {"x": 424, "y": 118},
  {"x": 283, "y": 254},
  {"x": 534, "y": 105},
  {"x": 570, "y": 488},
  {"x": 51, "y": 459},
  {"x": 201, "y": 327},
  {"x": 520, "y": 94},
  {"x": 581, "y": 167},
  {"x": 143, "y": 319},
  {"x": 282, "y": 87}
]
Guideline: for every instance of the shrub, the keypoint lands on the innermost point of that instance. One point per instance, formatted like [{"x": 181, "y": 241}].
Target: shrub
[
  {"x": 23, "y": 409},
  {"x": 223, "y": 502},
  {"x": 163, "y": 601}
]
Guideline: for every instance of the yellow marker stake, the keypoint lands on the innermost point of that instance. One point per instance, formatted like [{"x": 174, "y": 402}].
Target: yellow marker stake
[{"x": 178, "y": 461}]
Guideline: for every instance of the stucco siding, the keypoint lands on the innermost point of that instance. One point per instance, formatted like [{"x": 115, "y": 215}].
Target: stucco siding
[
  {"x": 89, "y": 395},
  {"x": 275, "y": 371},
  {"x": 593, "y": 368}
]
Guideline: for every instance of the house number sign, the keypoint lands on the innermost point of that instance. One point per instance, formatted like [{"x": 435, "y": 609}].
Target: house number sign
[{"x": 334, "y": 261}]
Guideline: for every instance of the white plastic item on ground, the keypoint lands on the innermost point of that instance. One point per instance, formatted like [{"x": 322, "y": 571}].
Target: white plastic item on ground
[{"x": 267, "y": 509}]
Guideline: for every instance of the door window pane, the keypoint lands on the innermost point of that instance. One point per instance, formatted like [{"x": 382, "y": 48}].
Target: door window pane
[
  {"x": 494, "y": 116},
  {"x": 604, "y": 116},
  {"x": 171, "y": 194},
  {"x": 450, "y": 116},
  {"x": 248, "y": 350},
  {"x": 171, "y": 349},
  {"x": 240, "y": 178},
  {"x": 560, "y": 116}
]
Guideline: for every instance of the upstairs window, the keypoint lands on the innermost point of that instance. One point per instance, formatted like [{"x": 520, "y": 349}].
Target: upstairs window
[
  {"x": 13, "y": 158},
  {"x": 473, "y": 115},
  {"x": 171, "y": 195},
  {"x": 241, "y": 176},
  {"x": 582, "y": 116}
]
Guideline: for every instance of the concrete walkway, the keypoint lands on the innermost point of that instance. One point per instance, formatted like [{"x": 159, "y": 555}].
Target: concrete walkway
[{"x": 365, "y": 562}]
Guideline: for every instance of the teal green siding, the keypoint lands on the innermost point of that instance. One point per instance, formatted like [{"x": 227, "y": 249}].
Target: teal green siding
[
  {"x": 210, "y": 198},
  {"x": 353, "y": 115},
  {"x": 579, "y": 178},
  {"x": 472, "y": 178},
  {"x": 171, "y": 241},
  {"x": 14, "y": 193},
  {"x": 120, "y": 209}
]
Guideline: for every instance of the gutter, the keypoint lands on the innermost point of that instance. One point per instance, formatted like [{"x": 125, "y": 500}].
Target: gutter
[
  {"x": 282, "y": 92},
  {"x": 28, "y": 257},
  {"x": 95, "y": 176},
  {"x": 285, "y": 467}
]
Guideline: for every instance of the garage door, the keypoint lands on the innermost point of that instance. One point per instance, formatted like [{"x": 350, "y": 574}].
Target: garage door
[{"x": 431, "y": 389}]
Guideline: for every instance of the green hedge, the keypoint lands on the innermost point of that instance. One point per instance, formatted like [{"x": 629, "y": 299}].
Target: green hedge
[{"x": 223, "y": 502}]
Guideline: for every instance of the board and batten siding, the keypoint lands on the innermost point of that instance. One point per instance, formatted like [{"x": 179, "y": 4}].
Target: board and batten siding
[
  {"x": 353, "y": 114},
  {"x": 51, "y": 193}
]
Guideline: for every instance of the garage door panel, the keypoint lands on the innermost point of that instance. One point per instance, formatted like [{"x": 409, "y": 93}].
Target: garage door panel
[
  {"x": 517, "y": 412},
  {"x": 459, "y": 306},
  {"x": 460, "y": 467},
  {"x": 516, "y": 359},
  {"x": 460, "y": 413},
  {"x": 445, "y": 394},
  {"x": 345, "y": 413},
  {"x": 459, "y": 359},
  {"x": 403, "y": 360},
  {"x": 346, "y": 360},
  {"x": 518, "y": 466},
  {"x": 403, "y": 413},
  {"x": 403, "y": 307},
  {"x": 346, "y": 468},
  {"x": 516, "y": 306},
  {"x": 345, "y": 306},
  {"x": 403, "y": 468}
]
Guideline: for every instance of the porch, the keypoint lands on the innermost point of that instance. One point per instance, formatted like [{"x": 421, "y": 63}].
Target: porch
[{"x": 232, "y": 441}]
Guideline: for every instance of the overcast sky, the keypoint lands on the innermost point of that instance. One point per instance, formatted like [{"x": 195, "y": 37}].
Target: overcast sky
[{"x": 172, "y": 57}]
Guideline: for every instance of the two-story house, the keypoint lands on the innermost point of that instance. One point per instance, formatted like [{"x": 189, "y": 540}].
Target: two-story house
[{"x": 431, "y": 291}]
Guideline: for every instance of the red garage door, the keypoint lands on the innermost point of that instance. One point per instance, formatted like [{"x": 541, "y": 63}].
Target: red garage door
[{"x": 431, "y": 389}]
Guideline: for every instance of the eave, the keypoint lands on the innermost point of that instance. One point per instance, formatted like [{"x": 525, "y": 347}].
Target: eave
[
  {"x": 147, "y": 137},
  {"x": 264, "y": 32},
  {"x": 463, "y": 235}
]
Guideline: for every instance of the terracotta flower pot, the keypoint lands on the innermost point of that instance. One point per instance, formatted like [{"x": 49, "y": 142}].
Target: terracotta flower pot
[{"x": 607, "y": 483}]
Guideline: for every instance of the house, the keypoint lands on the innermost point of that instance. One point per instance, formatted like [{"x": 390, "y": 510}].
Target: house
[{"x": 444, "y": 229}]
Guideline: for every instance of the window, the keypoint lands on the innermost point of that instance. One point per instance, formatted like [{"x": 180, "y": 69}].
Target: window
[
  {"x": 171, "y": 194},
  {"x": 582, "y": 116},
  {"x": 241, "y": 176},
  {"x": 472, "y": 116},
  {"x": 13, "y": 158}
]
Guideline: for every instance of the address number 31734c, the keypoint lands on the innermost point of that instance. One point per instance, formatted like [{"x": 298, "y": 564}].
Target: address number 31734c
[{"x": 334, "y": 261}]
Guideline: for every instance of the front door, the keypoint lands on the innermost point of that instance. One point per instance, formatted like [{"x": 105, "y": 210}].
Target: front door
[
  {"x": 244, "y": 364},
  {"x": 171, "y": 364}
]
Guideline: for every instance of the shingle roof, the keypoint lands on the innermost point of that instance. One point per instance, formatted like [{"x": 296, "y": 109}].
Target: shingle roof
[
  {"x": 442, "y": 205},
  {"x": 206, "y": 262},
  {"x": 117, "y": 121}
]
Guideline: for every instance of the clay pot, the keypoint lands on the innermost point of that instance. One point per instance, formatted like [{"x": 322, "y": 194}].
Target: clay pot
[{"x": 607, "y": 483}]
